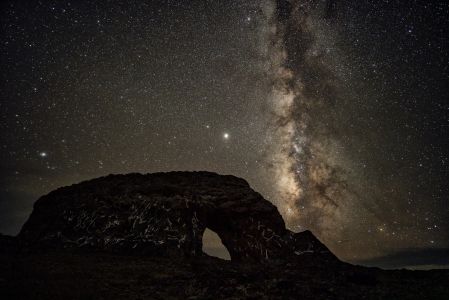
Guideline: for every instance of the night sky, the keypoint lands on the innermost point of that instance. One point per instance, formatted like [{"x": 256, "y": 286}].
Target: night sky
[{"x": 335, "y": 111}]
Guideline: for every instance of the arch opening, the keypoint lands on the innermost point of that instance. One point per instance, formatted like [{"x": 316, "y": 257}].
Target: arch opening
[{"x": 213, "y": 246}]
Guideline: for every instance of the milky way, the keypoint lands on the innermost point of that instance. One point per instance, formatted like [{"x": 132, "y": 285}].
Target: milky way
[
  {"x": 307, "y": 157},
  {"x": 335, "y": 111},
  {"x": 316, "y": 152}
]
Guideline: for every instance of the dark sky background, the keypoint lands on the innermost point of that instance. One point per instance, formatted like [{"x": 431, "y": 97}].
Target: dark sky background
[{"x": 336, "y": 111}]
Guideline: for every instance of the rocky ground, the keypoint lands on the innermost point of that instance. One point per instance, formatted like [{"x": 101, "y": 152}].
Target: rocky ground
[{"x": 106, "y": 276}]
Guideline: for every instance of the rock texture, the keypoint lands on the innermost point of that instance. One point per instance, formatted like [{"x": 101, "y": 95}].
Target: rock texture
[{"x": 165, "y": 214}]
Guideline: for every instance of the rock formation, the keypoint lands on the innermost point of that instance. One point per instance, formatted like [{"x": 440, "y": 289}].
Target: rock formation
[
  {"x": 165, "y": 214},
  {"x": 72, "y": 247}
]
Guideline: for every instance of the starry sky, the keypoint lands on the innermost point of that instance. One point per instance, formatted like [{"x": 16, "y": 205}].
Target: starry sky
[{"x": 335, "y": 111}]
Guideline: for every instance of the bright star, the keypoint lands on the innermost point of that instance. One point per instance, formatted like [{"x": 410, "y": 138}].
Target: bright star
[{"x": 226, "y": 135}]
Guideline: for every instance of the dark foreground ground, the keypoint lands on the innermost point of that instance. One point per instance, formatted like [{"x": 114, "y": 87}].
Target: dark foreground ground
[{"x": 105, "y": 276}]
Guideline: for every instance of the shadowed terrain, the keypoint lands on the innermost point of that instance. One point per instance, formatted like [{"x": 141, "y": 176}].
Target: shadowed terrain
[{"x": 140, "y": 237}]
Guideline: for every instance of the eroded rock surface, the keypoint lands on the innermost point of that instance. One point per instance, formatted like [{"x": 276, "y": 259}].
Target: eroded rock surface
[{"x": 165, "y": 214}]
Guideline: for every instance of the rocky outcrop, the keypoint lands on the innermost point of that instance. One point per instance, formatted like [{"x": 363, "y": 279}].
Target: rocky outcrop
[
  {"x": 165, "y": 214},
  {"x": 160, "y": 219}
]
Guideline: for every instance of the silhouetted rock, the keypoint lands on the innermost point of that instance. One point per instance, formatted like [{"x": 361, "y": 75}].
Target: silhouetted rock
[
  {"x": 165, "y": 214},
  {"x": 77, "y": 241}
]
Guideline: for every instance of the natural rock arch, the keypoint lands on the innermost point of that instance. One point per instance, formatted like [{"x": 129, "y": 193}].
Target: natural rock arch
[{"x": 164, "y": 214}]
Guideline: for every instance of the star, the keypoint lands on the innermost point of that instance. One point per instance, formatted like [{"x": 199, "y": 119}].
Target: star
[{"x": 226, "y": 136}]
